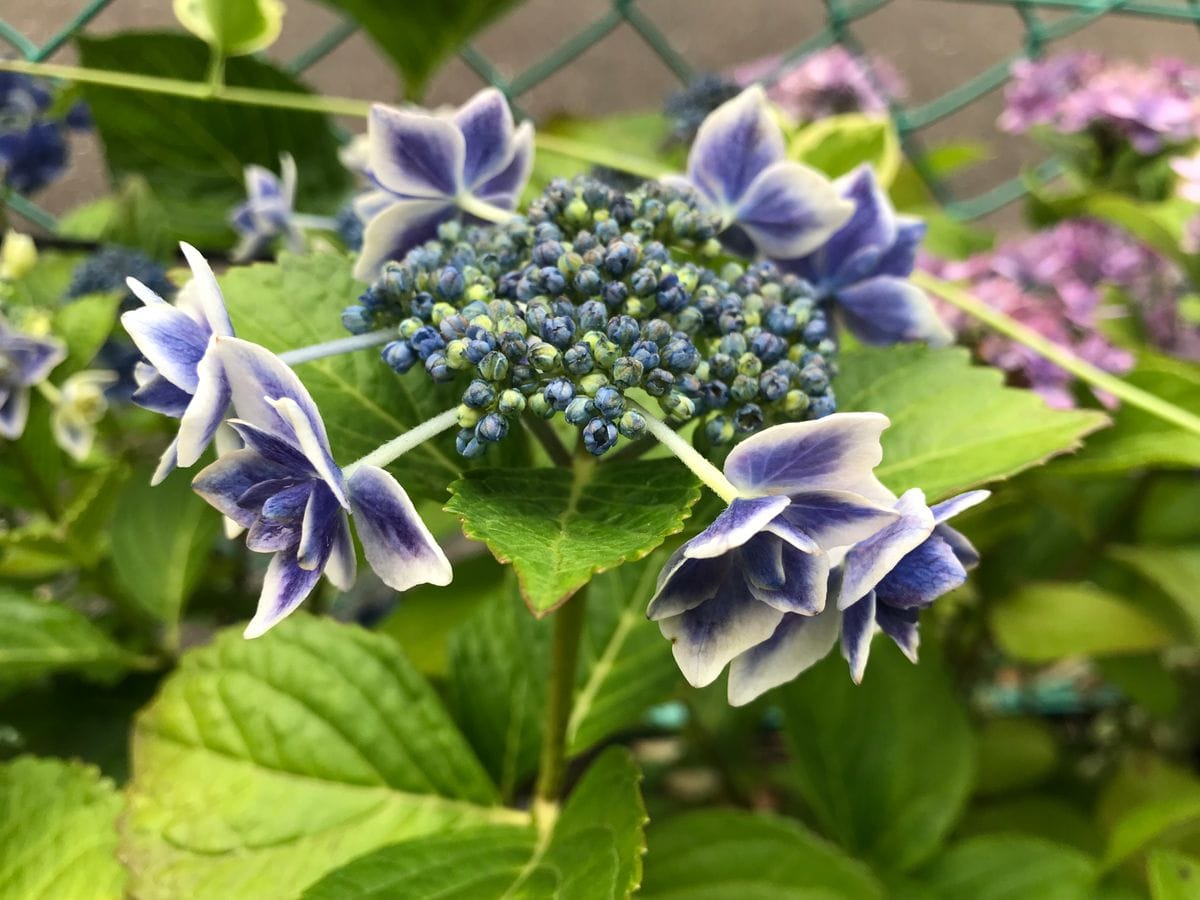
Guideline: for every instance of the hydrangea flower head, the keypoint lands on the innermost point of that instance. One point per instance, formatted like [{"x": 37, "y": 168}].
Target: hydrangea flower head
[
  {"x": 426, "y": 167},
  {"x": 738, "y": 166},
  {"x": 268, "y": 212},
  {"x": 182, "y": 377},
  {"x": 24, "y": 361},
  {"x": 286, "y": 489},
  {"x": 687, "y": 108},
  {"x": 863, "y": 269},
  {"x": 803, "y": 489}
]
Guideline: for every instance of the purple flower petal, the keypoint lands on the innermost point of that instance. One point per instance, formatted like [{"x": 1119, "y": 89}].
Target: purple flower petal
[
  {"x": 923, "y": 575},
  {"x": 396, "y": 543},
  {"x": 262, "y": 185},
  {"x": 887, "y": 310},
  {"x": 740, "y": 521},
  {"x": 31, "y": 358},
  {"x": 415, "y": 154},
  {"x": 486, "y": 124},
  {"x": 836, "y": 518},
  {"x": 319, "y": 529},
  {"x": 707, "y": 637},
  {"x": 206, "y": 411},
  {"x": 948, "y": 509},
  {"x": 312, "y": 440},
  {"x": 901, "y": 257},
  {"x": 858, "y": 627},
  {"x": 340, "y": 569},
  {"x": 733, "y": 145},
  {"x": 14, "y": 413},
  {"x": 157, "y": 394},
  {"x": 392, "y": 233},
  {"x": 273, "y": 535},
  {"x": 806, "y": 580},
  {"x": 225, "y": 481},
  {"x": 284, "y": 588},
  {"x": 963, "y": 549},
  {"x": 798, "y": 643},
  {"x": 167, "y": 463},
  {"x": 685, "y": 583},
  {"x": 761, "y": 560},
  {"x": 836, "y": 453},
  {"x": 257, "y": 495},
  {"x": 873, "y": 224},
  {"x": 170, "y": 340},
  {"x": 868, "y": 561},
  {"x": 281, "y": 452},
  {"x": 789, "y": 210},
  {"x": 208, "y": 297},
  {"x": 369, "y": 204},
  {"x": 901, "y": 626},
  {"x": 504, "y": 188},
  {"x": 288, "y": 504}
]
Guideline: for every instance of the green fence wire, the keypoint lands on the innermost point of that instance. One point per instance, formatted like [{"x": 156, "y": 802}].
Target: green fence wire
[{"x": 1040, "y": 32}]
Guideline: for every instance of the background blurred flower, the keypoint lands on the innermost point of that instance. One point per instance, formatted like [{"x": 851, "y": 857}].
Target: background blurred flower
[
  {"x": 268, "y": 212},
  {"x": 24, "y": 361},
  {"x": 80, "y": 406},
  {"x": 33, "y": 145}
]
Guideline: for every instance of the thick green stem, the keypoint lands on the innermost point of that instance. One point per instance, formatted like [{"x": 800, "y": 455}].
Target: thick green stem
[
  {"x": 564, "y": 664},
  {"x": 1060, "y": 356}
]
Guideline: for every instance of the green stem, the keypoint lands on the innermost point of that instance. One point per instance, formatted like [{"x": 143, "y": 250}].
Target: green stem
[
  {"x": 216, "y": 70},
  {"x": 1060, "y": 356},
  {"x": 713, "y": 477},
  {"x": 398, "y": 446},
  {"x": 484, "y": 210},
  {"x": 564, "y": 664},
  {"x": 337, "y": 106}
]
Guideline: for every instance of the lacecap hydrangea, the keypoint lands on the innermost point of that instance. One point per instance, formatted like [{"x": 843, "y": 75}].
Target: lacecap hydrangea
[{"x": 594, "y": 293}]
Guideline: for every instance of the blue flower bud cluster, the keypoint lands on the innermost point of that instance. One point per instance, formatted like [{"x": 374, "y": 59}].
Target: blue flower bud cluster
[
  {"x": 688, "y": 107},
  {"x": 590, "y": 295},
  {"x": 107, "y": 268}
]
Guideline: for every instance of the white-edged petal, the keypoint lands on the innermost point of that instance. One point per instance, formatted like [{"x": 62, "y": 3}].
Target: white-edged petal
[{"x": 798, "y": 643}]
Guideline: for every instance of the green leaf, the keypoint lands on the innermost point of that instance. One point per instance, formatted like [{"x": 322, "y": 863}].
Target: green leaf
[
  {"x": 642, "y": 136},
  {"x": 161, "y": 538},
  {"x": 45, "y": 286},
  {"x": 1013, "y": 754},
  {"x": 955, "y": 425},
  {"x": 425, "y": 34},
  {"x": 132, "y": 217},
  {"x": 1047, "y": 621},
  {"x": 1034, "y": 815},
  {"x": 1139, "y": 439},
  {"x": 297, "y": 302},
  {"x": 232, "y": 27},
  {"x": 865, "y": 759},
  {"x": 623, "y": 667},
  {"x": 593, "y": 852},
  {"x": 84, "y": 325},
  {"x": 719, "y": 854},
  {"x": 263, "y": 765},
  {"x": 1156, "y": 821},
  {"x": 839, "y": 144},
  {"x": 1173, "y": 876},
  {"x": 192, "y": 152},
  {"x": 497, "y": 688},
  {"x": 41, "y": 637},
  {"x": 59, "y": 825},
  {"x": 1008, "y": 867},
  {"x": 559, "y": 527},
  {"x": 1175, "y": 570}
]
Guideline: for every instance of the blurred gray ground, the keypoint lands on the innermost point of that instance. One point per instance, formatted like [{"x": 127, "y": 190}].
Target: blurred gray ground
[{"x": 935, "y": 44}]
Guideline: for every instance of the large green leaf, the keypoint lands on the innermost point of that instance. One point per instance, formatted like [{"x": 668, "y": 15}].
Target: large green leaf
[
  {"x": 839, "y": 144},
  {"x": 1139, "y": 439},
  {"x": 423, "y": 33},
  {"x": 297, "y": 302},
  {"x": 1176, "y": 570},
  {"x": 720, "y": 854},
  {"x": 1173, "y": 876},
  {"x": 161, "y": 537},
  {"x": 1007, "y": 867},
  {"x": 593, "y": 853},
  {"x": 84, "y": 325},
  {"x": 40, "y": 637},
  {"x": 885, "y": 766},
  {"x": 58, "y": 822},
  {"x": 558, "y": 527},
  {"x": 263, "y": 765},
  {"x": 625, "y": 666},
  {"x": 1150, "y": 803},
  {"x": 1047, "y": 620},
  {"x": 193, "y": 152},
  {"x": 954, "y": 425}
]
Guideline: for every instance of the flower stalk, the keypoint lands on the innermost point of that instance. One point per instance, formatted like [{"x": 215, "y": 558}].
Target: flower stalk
[
  {"x": 395, "y": 448},
  {"x": 713, "y": 477},
  {"x": 337, "y": 346}
]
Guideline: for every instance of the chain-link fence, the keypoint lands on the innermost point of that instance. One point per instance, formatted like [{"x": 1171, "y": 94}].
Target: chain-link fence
[{"x": 1043, "y": 22}]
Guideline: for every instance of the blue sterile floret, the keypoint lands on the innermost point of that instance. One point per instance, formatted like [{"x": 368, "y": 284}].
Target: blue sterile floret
[{"x": 595, "y": 293}]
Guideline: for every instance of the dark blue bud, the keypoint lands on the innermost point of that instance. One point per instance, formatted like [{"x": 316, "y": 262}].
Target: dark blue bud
[
  {"x": 479, "y": 395},
  {"x": 536, "y": 315},
  {"x": 426, "y": 340},
  {"x": 773, "y": 384},
  {"x": 623, "y": 330},
  {"x": 546, "y": 231},
  {"x": 814, "y": 380},
  {"x": 645, "y": 352},
  {"x": 729, "y": 322},
  {"x": 450, "y": 284},
  {"x": 579, "y": 410},
  {"x": 546, "y": 253},
  {"x": 599, "y": 437},
  {"x": 610, "y": 402},
  {"x": 512, "y": 345},
  {"x": 524, "y": 378},
  {"x": 607, "y": 230},
  {"x": 822, "y": 406},
  {"x": 615, "y": 294},
  {"x": 733, "y": 344},
  {"x": 748, "y": 418},
  {"x": 680, "y": 355},
  {"x": 491, "y": 428},
  {"x": 659, "y": 382},
  {"x": 552, "y": 281},
  {"x": 593, "y": 315},
  {"x": 715, "y": 394},
  {"x": 583, "y": 241},
  {"x": 622, "y": 209},
  {"x": 722, "y": 366},
  {"x": 689, "y": 384},
  {"x": 477, "y": 350},
  {"x": 671, "y": 299},
  {"x": 780, "y": 321},
  {"x": 399, "y": 356},
  {"x": 356, "y": 319},
  {"x": 395, "y": 279},
  {"x": 768, "y": 347},
  {"x": 588, "y": 281},
  {"x": 816, "y": 330},
  {"x": 643, "y": 282},
  {"x": 421, "y": 305},
  {"x": 658, "y": 331},
  {"x": 578, "y": 360},
  {"x": 559, "y": 392},
  {"x": 559, "y": 331},
  {"x": 436, "y": 366},
  {"x": 620, "y": 259},
  {"x": 718, "y": 430},
  {"x": 467, "y": 445}
]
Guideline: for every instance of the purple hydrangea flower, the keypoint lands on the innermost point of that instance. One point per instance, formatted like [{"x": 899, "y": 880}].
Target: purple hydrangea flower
[
  {"x": 284, "y": 487},
  {"x": 427, "y": 168},
  {"x": 738, "y": 167},
  {"x": 268, "y": 212},
  {"x": 804, "y": 488},
  {"x": 864, "y": 267},
  {"x": 24, "y": 361},
  {"x": 891, "y": 576},
  {"x": 830, "y": 82},
  {"x": 182, "y": 377},
  {"x": 1188, "y": 170}
]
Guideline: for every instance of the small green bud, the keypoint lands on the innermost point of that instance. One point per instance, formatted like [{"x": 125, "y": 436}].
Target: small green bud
[
  {"x": 540, "y": 406},
  {"x": 606, "y": 353},
  {"x": 795, "y": 403},
  {"x": 440, "y": 311},
  {"x": 494, "y": 366},
  {"x": 749, "y": 365},
  {"x": 677, "y": 407},
  {"x": 484, "y": 322},
  {"x": 637, "y": 307},
  {"x": 409, "y": 326},
  {"x": 467, "y": 417},
  {"x": 512, "y": 323},
  {"x": 577, "y": 211},
  {"x": 511, "y": 402},
  {"x": 627, "y": 372},
  {"x": 632, "y": 424},
  {"x": 456, "y": 354},
  {"x": 744, "y": 388},
  {"x": 570, "y": 263},
  {"x": 589, "y": 384},
  {"x": 478, "y": 293},
  {"x": 545, "y": 357}
]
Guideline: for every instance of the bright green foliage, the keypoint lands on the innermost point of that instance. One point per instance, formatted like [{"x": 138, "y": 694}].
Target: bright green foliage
[
  {"x": 297, "y": 302},
  {"x": 1173, "y": 876},
  {"x": 263, "y": 765},
  {"x": 132, "y": 216},
  {"x": 839, "y": 144},
  {"x": 1006, "y": 867},
  {"x": 593, "y": 853},
  {"x": 40, "y": 637},
  {"x": 161, "y": 538},
  {"x": 955, "y": 425},
  {"x": 718, "y": 854},
  {"x": 865, "y": 762},
  {"x": 84, "y": 325},
  {"x": 558, "y": 527},
  {"x": 60, "y": 838},
  {"x": 1175, "y": 570},
  {"x": 232, "y": 27},
  {"x": 1014, "y": 754},
  {"x": 1049, "y": 620}
]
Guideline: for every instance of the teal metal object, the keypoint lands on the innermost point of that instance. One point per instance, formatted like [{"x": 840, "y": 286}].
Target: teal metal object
[{"x": 1069, "y": 16}]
